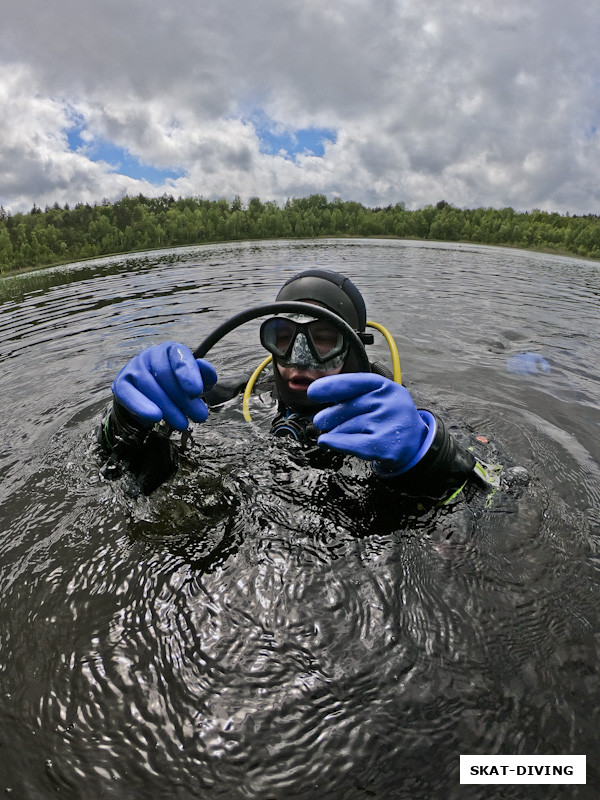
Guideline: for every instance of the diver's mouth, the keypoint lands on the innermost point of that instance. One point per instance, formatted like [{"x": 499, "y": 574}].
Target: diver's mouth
[{"x": 300, "y": 383}]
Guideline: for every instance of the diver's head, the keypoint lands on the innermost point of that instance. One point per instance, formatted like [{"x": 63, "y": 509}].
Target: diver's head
[
  {"x": 331, "y": 290},
  {"x": 306, "y": 348}
]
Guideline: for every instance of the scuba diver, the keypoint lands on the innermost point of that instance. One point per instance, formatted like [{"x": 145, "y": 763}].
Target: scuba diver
[{"x": 327, "y": 392}]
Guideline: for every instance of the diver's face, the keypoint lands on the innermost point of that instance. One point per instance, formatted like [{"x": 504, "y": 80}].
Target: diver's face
[{"x": 298, "y": 379}]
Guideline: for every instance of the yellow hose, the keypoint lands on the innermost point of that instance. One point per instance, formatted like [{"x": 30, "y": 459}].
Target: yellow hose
[
  {"x": 393, "y": 349},
  {"x": 250, "y": 386}
]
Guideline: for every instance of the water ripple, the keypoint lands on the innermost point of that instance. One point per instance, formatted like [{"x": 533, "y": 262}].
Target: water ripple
[{"x": 262, "y": 627}]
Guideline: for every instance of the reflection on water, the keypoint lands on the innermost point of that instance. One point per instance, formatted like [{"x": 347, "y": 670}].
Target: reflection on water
[{"x": 262, "y": 627}]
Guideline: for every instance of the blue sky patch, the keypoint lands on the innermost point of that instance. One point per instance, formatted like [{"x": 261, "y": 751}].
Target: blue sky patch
[
  {"x": 119, "y": 159},
  {"x": 293, "y": 143}
]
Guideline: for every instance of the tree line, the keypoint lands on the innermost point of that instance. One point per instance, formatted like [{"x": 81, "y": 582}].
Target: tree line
[{"x": 63, "y": 234}]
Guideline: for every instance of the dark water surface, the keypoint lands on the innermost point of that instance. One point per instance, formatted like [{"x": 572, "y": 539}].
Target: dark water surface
[{"x": 254, "y": 629}]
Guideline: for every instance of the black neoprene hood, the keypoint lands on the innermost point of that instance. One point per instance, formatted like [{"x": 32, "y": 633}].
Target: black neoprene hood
[{"x": 333, "y": 290}]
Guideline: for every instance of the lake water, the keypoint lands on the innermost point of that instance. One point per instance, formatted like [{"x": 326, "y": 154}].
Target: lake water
[{"x": 247, "y": 631}]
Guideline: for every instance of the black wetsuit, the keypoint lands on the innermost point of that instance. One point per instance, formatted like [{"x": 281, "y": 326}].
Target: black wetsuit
[{"x": 152, "y": 457}]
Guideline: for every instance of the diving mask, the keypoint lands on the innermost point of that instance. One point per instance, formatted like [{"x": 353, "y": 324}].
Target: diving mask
[{"x": 302, "y": 341}]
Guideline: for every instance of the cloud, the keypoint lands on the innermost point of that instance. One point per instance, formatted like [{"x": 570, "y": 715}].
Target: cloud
[{"x": 379, "y": 101}]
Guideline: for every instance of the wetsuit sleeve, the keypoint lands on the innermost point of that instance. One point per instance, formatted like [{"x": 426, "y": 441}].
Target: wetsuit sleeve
[
  {"x": 223, "y": 391},
  {"x": 146, "y": 453},
  {"x": 445, "y": 468}
]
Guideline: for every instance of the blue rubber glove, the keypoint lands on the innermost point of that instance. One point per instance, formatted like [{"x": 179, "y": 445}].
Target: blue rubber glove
[
  {"x": 372, "y": 418},
  {"x": 527, "y": 364},
  {"x": 165, "y": 382}
]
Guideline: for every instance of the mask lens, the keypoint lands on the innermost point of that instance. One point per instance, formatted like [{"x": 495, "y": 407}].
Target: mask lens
[
  {"x": 277, "y": 335},
  {"x": 327, "y": 340}
]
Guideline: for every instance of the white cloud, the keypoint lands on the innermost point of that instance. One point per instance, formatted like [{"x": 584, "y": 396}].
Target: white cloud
[{"x": 472, "y": 102}]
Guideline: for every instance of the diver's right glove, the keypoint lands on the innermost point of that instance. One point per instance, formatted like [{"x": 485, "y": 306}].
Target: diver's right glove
[
  {"x": 165, "y": 382},
  {"x": 373, "y": 418}
]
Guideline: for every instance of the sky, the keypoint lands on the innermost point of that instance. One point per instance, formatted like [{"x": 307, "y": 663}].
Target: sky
[{"x": 489, "y": 103}]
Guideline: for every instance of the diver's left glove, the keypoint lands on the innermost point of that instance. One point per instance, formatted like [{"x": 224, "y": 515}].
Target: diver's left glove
[
  {"x": 165, "y": 382},
  {"x": 373, "y": 418}
]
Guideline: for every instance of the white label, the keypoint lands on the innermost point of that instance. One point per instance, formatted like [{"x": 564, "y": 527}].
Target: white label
[{"x": 522, "y": 769}]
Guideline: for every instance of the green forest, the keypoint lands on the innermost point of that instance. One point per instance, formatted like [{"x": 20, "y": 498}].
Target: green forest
[{"x": 62, "y": 234}]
